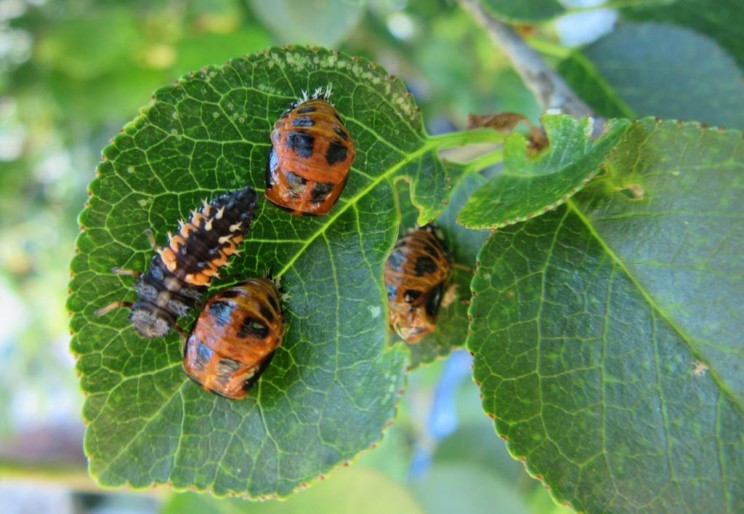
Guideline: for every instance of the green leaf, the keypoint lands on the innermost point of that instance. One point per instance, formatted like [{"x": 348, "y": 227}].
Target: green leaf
[
  {"x": 333, "y": 385},
  {"x": 651, "y": 69},
  {"x": 525, "y": 10},
  {"x": 720, "y": 20},
  {"x": 606, "y": 334},
  {"x": 358, "y": 489},
  {"x": 529, "y": 186},
  {"x": 463, "y": 245}
]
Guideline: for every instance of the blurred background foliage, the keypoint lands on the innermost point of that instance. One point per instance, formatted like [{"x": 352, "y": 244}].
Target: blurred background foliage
[{"x": 72, "y": 73}]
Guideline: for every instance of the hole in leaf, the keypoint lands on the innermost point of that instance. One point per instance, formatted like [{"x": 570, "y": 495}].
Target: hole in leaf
[{"x": 633, "y": 192}]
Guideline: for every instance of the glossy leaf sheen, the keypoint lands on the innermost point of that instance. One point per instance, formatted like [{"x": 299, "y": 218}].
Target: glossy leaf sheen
[
  {"x": 333, "y": 384},
  {"x": 607, "y": 333},
  {"x": 636, "y": 71},
  {"x": 721, "y": 21},
  {"x": 530, "y": 185}
]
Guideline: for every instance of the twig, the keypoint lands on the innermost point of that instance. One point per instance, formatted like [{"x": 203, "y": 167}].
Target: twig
[{"x": 549, "y": 88}]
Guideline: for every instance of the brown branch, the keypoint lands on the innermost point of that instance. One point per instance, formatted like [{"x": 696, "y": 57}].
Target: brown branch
[{"x": 549, "y": 88}]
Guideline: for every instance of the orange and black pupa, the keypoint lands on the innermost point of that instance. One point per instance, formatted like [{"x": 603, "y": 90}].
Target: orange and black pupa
[
  {"x": 416, "y": 273},
  {"x": 310, "y": 157},
  {"x": 180, "y": 273},
  {"x": 234, "y": 338}
]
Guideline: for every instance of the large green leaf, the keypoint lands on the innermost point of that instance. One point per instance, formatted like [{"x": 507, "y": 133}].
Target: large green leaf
[
  {"x": 607, "y": 333},
  {"x": 721, "y": 20},
  {"x": 652, "y": 69},
  {"x": 333, "y": 384},
  {"x": 532, "y": 184}
]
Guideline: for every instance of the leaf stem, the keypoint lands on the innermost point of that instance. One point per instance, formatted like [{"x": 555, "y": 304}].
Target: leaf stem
[
  {"x": 466, "y": 137},
  {"x": 550, "y": 48},
  {"x": 550, "y": 90},
  {"x": 483, "y": 161}
]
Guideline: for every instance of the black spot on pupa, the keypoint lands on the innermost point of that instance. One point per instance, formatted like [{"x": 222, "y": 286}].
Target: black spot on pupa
[
  {"x": 337, "y": 152},
  {"x": 434, "y": 300},
  {"x": 267, "y": 314},
  {"x": 320, "y": 192},
  {"x": 295, "y": 180},
  {"x": 430, "y": 250},
  {"x": 341, "y": 133},
  {"x": 296, "y": 184},
  {"x": 253, "y": 327},
  {"x": 396, "y": 260},
  {"x": 251, "y": 380},
  {"x": 425, "y": 265},
  {"x": 306, "y": 110},
  {"x": 228, "y": 366},
  {"x": 303, "y": 121},
  {"x": 203, "y": 355},
  {"x": 411, "y": 295},
  {"x": 391, "y": 291},
  {"x": 274, "y": 303},
  {"x": 221, "y": 312},
  {"x": 301, "y": 143}
]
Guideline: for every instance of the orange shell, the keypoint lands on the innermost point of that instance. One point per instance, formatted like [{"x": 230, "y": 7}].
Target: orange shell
[
  {"x": 415, "y": 274},
  {"x": 310, "y": 158},
  {"x": 235, "y": 337}
]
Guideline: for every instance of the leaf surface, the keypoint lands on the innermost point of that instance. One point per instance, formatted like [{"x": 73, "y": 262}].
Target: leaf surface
[
  {"x": 654, "y": 69},
  {"x": 333, "y": 384},
  {"x": 530, "y": 185},
  {"x": 606, "y": 333},
  {"x": 721, "y": 21}
]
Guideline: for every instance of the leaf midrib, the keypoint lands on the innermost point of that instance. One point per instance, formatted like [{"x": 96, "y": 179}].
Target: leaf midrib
[
  {"x": 571, "y": 204},
  {"x": 354, "y": 200}
]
